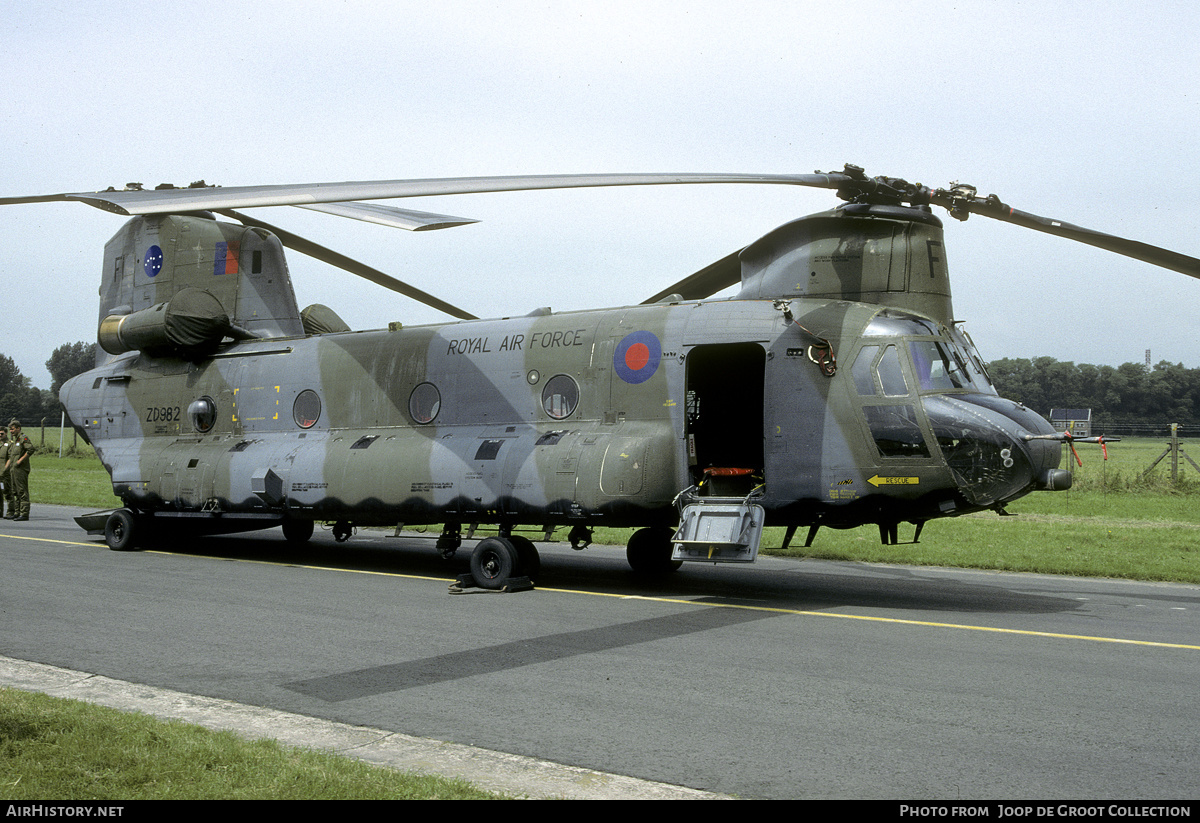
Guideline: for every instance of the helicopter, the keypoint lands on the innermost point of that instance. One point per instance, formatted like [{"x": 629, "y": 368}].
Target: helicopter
[{"x": 835, "y": 389}]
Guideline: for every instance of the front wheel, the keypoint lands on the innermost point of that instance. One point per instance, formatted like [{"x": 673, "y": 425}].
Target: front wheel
[
  {"x": 649, "y": 551},
  {"x": 297, "y": 531}
]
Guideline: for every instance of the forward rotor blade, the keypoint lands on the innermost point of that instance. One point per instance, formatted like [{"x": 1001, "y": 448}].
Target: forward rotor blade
[
  {"x": 213, "y": 198},
  {"x": 1155, "y": 255},
  {"x": 992, "y": 207},
  {"x": 708, "y": 281},
  {"x": 333, "y": 258}
]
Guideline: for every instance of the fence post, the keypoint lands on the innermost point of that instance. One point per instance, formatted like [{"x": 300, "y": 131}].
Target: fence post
[{"x": 1174, "y": 453}]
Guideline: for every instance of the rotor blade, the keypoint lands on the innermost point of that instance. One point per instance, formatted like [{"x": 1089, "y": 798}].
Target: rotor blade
[
  {"x": 992, "y": 207},
  {"x": 37, "y": 198},
  {"x": 214, "y": 198},
  {"x": 390, "y": 216},
  {"x": 706, "y": 282},
  {"x": 318, "y": 252}
]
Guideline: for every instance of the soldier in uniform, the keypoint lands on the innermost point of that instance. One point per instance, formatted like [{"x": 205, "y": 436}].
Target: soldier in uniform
[
  {"x": 6, "y": 505},
  {"x": 19, "y": 450}
]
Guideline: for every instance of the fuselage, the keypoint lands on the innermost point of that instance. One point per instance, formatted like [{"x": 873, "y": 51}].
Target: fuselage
[{"x": 596, "y": 417}]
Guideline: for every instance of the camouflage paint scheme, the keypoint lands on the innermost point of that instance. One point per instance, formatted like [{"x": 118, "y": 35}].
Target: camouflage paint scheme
[{"x": 845, "y": 449}]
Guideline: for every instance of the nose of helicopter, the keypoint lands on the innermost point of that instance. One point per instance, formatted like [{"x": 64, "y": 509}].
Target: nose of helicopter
[{"x": 984, "y": 440}]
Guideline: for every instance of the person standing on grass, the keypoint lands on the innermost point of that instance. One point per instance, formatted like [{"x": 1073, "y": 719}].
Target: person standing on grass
[{"x": 19, "y": 449}]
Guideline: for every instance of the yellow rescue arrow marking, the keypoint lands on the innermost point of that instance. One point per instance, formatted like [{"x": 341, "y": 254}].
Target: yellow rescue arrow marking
[{"x": 893, "y": 481}]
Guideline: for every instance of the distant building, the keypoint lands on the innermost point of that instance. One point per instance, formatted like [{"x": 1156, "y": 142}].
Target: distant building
[{"x": 1077, "y": 421}]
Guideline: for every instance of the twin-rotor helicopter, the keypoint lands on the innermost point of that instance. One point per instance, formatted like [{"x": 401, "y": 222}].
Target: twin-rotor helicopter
[{"x": 834, "y": 389}]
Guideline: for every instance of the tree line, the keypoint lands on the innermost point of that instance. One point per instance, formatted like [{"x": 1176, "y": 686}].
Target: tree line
[
  {"x": 19, "y": 399},
  {"x": 1127, "y": 399}
]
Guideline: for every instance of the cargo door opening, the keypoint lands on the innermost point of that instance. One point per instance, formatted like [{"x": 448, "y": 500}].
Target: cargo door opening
[{"x": 725, "y": 416}]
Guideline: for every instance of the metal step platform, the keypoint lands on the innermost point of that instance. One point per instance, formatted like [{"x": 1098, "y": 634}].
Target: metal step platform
[{"x": 717, "y": 529}]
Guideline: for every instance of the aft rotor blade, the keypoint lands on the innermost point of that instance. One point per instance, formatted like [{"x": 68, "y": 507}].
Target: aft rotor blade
[
  {"x": 390, "y": 216},
  {"x": 215, "y": 198},
  {"x": 708, "y": 281},
  {"x": 333, "y": 258}
]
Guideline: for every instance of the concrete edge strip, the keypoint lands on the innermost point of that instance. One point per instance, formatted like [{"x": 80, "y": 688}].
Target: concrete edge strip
[{"x": 494, "y": 771}]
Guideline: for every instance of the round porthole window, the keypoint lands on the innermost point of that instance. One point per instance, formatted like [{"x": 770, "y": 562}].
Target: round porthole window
[
  {"x": 424, "y": 403},
  {"x": 560, "y": 396},
  {"x": 203, "y": 414},
  {"x": 306, "y": 411}
]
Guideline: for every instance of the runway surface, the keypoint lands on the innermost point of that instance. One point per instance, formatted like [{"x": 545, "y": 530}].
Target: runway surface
[{"x": 785, "y": 679}]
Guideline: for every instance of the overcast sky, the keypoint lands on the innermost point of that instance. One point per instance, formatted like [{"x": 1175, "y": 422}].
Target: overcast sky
[{"x": 1086, "y": 112}]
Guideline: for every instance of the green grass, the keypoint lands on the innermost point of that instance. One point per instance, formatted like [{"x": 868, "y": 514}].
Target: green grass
[
  {"x": 1114, "y": 522},
  {"x": 56, "y": 749}
]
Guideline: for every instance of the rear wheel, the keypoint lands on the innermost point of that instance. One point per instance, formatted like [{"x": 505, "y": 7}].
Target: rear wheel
[
  {"x": 122, "y": 531},
  {"x": 493, "y": 562},
  {"x": 529, "y": 562}
]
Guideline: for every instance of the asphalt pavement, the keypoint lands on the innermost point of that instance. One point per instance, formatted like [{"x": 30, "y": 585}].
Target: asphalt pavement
[{"x": 785, "y": 679}]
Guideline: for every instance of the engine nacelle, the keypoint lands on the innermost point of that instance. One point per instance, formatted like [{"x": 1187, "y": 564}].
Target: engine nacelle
[{"x": 192, "y": 323}]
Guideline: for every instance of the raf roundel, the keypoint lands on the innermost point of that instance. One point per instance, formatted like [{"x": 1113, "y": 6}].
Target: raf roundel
[{"x": 637, "y": 357}]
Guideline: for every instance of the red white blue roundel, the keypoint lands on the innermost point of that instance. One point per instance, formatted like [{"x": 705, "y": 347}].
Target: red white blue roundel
[{"x": 637, "y": 357}]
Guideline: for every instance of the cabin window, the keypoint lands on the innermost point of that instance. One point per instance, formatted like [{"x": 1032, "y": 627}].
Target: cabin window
[
  {"x": 424, "y": 403},
  {"x": 560, "y": 396},
  {"x": 306, "y": 410},
  {"x": 203, "y": 414}
]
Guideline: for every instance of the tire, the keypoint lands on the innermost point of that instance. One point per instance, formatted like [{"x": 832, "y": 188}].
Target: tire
[
  {"x": 493, "y": 562},
  {"x": 297, "y": 531},
  {"x": 122, "y": 532},
  {"x": 649, "y": 552},
  {"x": 529, "y": 562}
]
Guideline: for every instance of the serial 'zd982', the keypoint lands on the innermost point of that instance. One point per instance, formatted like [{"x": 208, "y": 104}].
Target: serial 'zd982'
[{"x": 835, "y": 389}]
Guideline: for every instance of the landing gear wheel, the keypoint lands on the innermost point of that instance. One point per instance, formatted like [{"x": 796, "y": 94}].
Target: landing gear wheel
[
  {"x": 493, "y": 562},
  {"x": 529, "y": 562},
  {"x": 649, "y": 551},
  {"x": 297, "y": 531},
  {"x": 123, "y": 531},
  {"x": 342, "y": 531}
]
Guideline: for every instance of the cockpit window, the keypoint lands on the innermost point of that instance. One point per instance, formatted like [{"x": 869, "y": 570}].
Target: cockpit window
[
  {"x": 885, "y": 325},
  {"x": 864, "y": 379},
  {"x": 935, "y": 368},
  {"x": 963, "y": 342},
  {"x": 895, "y": 431},
  {"x": 890, "y": 375}
]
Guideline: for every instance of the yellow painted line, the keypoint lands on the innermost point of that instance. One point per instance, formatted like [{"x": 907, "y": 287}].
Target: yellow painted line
[
  {"x": 48, "y": 540},
  {"x": 897, "y": 620},
  {"x": 676, "y": 600}
]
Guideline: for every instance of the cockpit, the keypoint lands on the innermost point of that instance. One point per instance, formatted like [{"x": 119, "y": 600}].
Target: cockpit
[{"x": 925, "y": 393}]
